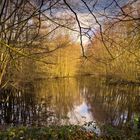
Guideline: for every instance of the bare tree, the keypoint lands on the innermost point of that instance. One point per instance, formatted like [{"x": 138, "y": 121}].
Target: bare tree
[{"x": 21, "y": 22}]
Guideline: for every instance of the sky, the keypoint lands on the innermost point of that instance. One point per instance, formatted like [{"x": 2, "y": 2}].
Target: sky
[{"x": 86, "y": 19}]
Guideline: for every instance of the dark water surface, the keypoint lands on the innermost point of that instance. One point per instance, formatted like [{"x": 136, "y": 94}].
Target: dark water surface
[{"x": 69, "y": 101}]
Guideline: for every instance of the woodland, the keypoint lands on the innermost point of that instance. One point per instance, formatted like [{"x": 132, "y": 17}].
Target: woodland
[{"x": 94, "y": 41}]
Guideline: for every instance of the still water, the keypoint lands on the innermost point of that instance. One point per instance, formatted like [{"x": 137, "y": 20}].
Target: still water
[{"x": 69, "y": 101}]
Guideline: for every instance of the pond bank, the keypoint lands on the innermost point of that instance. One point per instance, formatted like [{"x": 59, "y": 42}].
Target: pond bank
[{"x": 71, "y": 132}]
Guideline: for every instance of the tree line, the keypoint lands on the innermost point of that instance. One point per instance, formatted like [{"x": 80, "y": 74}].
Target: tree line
[{"x": 38, "y": 32}]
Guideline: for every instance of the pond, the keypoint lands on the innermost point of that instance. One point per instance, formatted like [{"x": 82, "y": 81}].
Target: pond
[{"x": 69, "y": 101}]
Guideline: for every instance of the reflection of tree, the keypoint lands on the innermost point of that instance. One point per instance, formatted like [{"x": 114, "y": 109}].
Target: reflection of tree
[
  {"x": 65, "y": 95},
  {"x": 51, "y": 100},
  {"x": 22, "y": 106},
  {"x": 110, "y": 104},
  {"x": 40, "y": 102}
]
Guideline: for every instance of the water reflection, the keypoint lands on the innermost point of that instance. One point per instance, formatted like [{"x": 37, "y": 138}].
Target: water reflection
[
  {"x": 80, "y": 114},
  {"x": 65, "y": 101},
  {"x": 23, "y": 107},
  {"x": 114, "y": 105}
]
